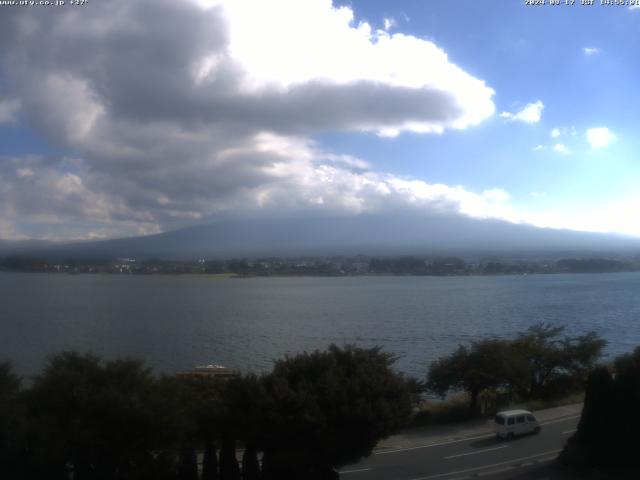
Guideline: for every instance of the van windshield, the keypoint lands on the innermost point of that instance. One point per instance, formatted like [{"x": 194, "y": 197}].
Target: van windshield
[{"x": 499, "y": 420}]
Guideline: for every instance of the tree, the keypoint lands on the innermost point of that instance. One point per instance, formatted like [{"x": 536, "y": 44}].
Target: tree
[
  {"x": 537, "y": 363},
  {"x": 540, "y": 357},
  {"x": 244, "y": 406},
  {"x": 327, "y": 409},
  {"x": 209, "y": 460},
  {"x": 12, "y": 422},
  {"x": 229, "y": 468},
  {"x": 607, "y": 432},
  {"x": 583, "y": 352},
  {"x": 91, "y": 419},
  {"x": 483, "y": 365},
  {"x": 203, "y": 399},
  {"x": 102, "y": 420}
]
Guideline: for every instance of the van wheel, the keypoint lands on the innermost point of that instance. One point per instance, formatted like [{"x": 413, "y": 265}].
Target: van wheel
[
  {"x": 536, "y": 430},
  {"x": 510, "y": 436}
]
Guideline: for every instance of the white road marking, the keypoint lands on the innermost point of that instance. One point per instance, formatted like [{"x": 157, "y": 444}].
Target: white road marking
[
  {"x": 448, "y": 442},
  {"x": 484, "y": 467},
  {"x": 567, "y": 432},
  {"x": 356, "y": 470},
  {"x": 495, "y": 471},
  {"x": 476, "y": 452},
  {"x": 564, "y": 419}
]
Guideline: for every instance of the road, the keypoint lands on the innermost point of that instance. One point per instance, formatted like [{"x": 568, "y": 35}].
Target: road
[{"x": 480, "y": 455}]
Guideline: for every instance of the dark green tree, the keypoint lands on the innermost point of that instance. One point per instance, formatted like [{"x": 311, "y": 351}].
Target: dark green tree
[
  {"x": 245, "y": 401},
  {"x": 98, "y": 419},
  {"x": 204, "y": 399},
  {"x": 330, "y": 408},
  {"x": 537, "y": 363},
  {"x": 209, "y": 460},
  {"x": 250, "y": 464},
  {"x": 188, "y": 466},
  {"x": 12, "y": 422},
  {"x": 541, "y": 356},
  {"x": 607, "y": 432},
  {"x": 484, "y": 365},
  {"x": 229, "y": 468}
]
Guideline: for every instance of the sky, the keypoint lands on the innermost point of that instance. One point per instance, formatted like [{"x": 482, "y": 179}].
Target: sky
[{"x": 122, "y": 118}]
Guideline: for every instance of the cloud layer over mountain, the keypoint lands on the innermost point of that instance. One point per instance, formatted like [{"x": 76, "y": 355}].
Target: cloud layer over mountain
[{"x": 174, "y": 113}]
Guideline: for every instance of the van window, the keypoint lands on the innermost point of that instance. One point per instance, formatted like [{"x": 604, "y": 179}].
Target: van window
[
  {"x": 520, "y": 419},
  {"x": 510, "y": 421},
  {"x": 531, "y": 418},
  {"x": 499, "y": 420}
]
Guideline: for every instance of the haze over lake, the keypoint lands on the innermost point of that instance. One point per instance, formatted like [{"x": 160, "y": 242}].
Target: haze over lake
[{"x": 176, "y": 322}]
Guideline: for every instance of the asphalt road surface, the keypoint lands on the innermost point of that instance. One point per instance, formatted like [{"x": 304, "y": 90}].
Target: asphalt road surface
[{"x": 472, "y": 457}]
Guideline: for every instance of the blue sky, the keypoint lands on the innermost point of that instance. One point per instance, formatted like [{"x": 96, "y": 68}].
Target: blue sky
[
  {"x": 526, "y": 54},
  {"x": 135, "y": 119}
]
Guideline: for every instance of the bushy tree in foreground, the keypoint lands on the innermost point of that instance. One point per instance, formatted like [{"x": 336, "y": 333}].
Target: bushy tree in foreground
[
  {"x": 244, "y": 412},
  {"x": 330, "y": 408},
  {"x": 12, "y": 426},
  {"x": 542, "y": 359},
  {"x": 99, "y": 421},
  {"x": 88, "y": 419},
  {"x": 538, "y": 363},
  {"x": 202, "y": 405},
  {"x": 608, "y": 429},
  {"x": 483, "y": 365}
]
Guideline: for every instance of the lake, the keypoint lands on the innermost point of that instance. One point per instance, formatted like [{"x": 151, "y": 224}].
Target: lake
[{"x": 176, "y": 322}]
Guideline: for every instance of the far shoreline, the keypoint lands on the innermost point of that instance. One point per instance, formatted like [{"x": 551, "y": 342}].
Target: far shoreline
[{"x": 227, "y": 276}]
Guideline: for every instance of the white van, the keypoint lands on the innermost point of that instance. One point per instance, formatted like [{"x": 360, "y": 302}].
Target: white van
[{"x": 510, "y": 423}]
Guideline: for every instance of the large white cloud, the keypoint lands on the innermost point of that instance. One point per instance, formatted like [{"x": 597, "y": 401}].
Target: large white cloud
[
  {"x": 178, "y": 112},
  {"x": 316, "y": 42}
]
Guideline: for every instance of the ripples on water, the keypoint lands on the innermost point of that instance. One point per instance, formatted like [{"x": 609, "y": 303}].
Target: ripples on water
[{"x": 178, "y": 322}]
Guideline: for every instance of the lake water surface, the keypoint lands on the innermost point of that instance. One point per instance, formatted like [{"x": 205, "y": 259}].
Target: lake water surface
[{"x": 176, "y": 322}]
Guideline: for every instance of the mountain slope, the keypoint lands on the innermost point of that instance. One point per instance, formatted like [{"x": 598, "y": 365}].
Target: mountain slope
[{"x": 366, "y": 234}]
